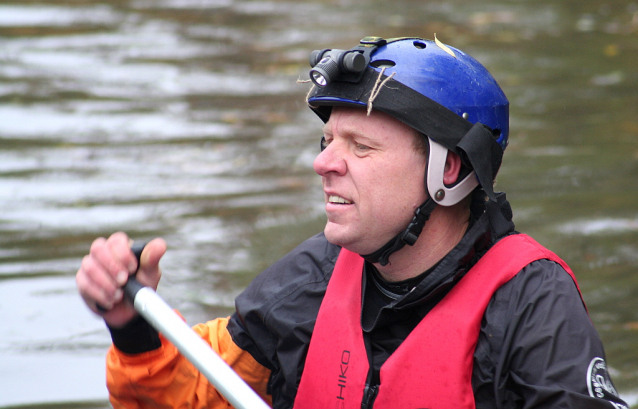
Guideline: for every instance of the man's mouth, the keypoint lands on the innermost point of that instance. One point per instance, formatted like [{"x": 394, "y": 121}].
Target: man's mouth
[{"x": 338, "y": 200}]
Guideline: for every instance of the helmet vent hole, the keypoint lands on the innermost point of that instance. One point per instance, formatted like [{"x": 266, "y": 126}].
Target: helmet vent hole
[
  {"x": 420, "y": 45},
  {"x": 382, "y": 64}
]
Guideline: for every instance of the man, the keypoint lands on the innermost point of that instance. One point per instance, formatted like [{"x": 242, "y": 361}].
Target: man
[{"x": 419, "y": 293}]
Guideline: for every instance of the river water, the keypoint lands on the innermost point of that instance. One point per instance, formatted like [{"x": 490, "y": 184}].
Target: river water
[{"x": 183, "y": 119}]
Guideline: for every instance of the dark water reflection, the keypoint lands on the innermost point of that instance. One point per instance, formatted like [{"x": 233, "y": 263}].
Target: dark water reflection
[{"x": 183, "y": 119}]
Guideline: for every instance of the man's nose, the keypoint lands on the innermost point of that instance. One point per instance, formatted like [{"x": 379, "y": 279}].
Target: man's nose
[{"x": 330, "y": 160}]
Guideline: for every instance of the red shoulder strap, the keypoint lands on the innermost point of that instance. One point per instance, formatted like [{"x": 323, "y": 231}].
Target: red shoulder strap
[{"x": 336, "y": 365}]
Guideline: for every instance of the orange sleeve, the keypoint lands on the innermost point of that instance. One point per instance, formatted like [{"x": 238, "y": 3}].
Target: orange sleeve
[{"x": 163, "y": 378}]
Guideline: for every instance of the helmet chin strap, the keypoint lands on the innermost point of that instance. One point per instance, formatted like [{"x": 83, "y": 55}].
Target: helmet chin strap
[{"x": 408, "y": 236}]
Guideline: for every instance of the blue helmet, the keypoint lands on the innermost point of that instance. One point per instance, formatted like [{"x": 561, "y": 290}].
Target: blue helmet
[{"x": 438, "y": 90}]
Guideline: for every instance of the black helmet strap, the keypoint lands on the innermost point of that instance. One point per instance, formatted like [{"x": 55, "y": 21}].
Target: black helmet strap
[
  {"x": 408, "y": 236},
  {"x": 479, "y": 149}
]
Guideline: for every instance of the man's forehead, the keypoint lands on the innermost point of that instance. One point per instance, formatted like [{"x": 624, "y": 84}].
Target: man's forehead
[
  {"x": 352, "y": 115},
  {"x": 350, "y": 121},
  {"x": 358, "y": 121}
]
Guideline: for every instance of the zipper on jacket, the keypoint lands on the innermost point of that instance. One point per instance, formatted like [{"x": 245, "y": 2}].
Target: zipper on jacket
[
  {"x": 372, "y": 379},
  {"x": 369, "y": 395}
]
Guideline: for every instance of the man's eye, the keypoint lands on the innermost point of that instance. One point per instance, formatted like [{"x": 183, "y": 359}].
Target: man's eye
[
  {"x": 324, "y": 143},
  {"x": 362, "y": 147}
]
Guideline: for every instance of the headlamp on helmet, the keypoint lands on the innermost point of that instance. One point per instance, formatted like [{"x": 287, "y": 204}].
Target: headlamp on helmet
[{"x": 329, "y": 65}]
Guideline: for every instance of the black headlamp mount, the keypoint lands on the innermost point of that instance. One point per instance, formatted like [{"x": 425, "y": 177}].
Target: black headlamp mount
[{"x": 346, "y": 65}]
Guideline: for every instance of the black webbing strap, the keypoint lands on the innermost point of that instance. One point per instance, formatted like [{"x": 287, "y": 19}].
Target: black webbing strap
[
  {"x": 479, "y": 149},
  {"x": 408, "y": 236}
]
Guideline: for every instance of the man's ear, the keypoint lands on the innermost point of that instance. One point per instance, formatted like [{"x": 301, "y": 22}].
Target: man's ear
[{"x": 452, "y": 168}]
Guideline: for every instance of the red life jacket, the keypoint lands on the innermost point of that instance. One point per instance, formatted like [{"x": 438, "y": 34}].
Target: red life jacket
[{"x": 432, "y": 368}]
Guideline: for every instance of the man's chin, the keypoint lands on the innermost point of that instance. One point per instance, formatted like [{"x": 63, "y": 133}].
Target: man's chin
[
  {"x": 348, "y": 242},
  {"x": 337, "y": 236}
]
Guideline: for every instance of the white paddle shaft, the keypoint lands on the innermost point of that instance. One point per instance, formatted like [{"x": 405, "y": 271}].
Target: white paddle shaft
[{"x": 162, "y": 317}]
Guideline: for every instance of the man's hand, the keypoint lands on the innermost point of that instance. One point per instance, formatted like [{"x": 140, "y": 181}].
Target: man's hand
[{"x": 105, "y": 270}]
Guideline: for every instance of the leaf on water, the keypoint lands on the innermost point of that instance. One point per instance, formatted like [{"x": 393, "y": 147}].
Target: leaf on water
[
  {"x": 443, "y": 46},
  {"x": 632, "y": 326}
]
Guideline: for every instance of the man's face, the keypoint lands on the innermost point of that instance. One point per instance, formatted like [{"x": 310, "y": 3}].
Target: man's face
[{"x": 372, "y": 178}]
